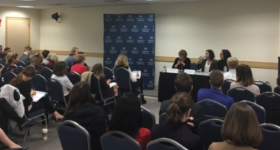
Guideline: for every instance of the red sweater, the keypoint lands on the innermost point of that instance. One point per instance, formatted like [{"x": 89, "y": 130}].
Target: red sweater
[
  {"x": 143, "y": 138},
  {"x": 80, "y": 69}
]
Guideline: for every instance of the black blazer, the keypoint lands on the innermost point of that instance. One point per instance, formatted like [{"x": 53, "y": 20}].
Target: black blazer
[
  {"x": 24, "y": 88},
  {"x": 213, "y": 65},
  {"x": 187, "y": 62}
]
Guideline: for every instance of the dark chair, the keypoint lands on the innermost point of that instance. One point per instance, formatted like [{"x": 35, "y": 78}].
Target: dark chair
[
  {"x": 56, "y": 93},
  {"x": 19, "y": 69},
  {"x": 210, "y": 131},
  {"x": 277, "y": 90},
  {"x": 74, "y": 77},
  {"x": 73, "y": 136},
  {"x": 46, "y": 73},
  {"x": 165, "y": 144},
  {"x": 39, "y": 83},
  {"x": 162, "y": 118},
  {"x": 108, "y": 73},
  {"x": 239, "y": 94},
  {"x": 263, "y": 86},
  {"x": 95, "y": 89},
  {"x": 226, "y": 85},
  {"x": 213, "y": 109},
  {"x": 1, "y": 66},
  {"x": 21, "y": 63},
  {"x": 193, "y": 65},
  {"x": 259, "y": 110},
  {"x": 68, "y": 69},
  {"x": 271, "y": 136},
  {"x": 8, "y": 77},
  {"x": 122, "y": 77},
  {"x": 148, "y": 118},
  {"x": 116, "y": 140}
]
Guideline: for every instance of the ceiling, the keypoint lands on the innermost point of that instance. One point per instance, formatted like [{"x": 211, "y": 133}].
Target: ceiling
[{"x": 45, "y": 4}]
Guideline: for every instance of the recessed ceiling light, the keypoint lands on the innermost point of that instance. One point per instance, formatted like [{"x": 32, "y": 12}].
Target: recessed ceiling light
[{"x": 26, "y": 6}]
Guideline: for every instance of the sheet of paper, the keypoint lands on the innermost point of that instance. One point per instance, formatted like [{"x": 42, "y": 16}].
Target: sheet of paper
[
  {"x": 38, "y": 96},
  {"x": 135, "y": 72},
  {"x": 112, "y": 84}
]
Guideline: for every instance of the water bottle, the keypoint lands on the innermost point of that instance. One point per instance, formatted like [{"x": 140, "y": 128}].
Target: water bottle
[
  {"x": 225, "y": 69},
  {"x": 114, "y": 78}
]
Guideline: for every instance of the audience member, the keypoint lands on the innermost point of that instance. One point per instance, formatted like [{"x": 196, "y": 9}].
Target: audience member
[
  {"x": 240, "y": 130},
  {"x": 81, "y": 109},
  {"x": 40, "y": 57},
  {"x": 59, "y": 72},
  {"x": 70, "y": 60},
  {"x": 224, "y": 55},
  {"x": 245, "y": 79},
  {"x": 12, "y": 59},
  {"x": 23, "y": 83},
  {"x": 208, "y": 64},
  {"x": 35, "y": 62},
  {"x": 183, "y": 62},
  {"x": 215, "y": 93},
  {"x": 85, "y": 58},
  {"x": 4, "y": 58},
  {"x": 45, "y": 54},
  {"x": 25, "y": 57},
  {"x": 232, "y": 64},
  {"x": 122, "y": 61},
  {"x": 8, "y": 50},
  {"x": 127, "y": 118},
  {"x": 79, "y": 66},
  {"x": 52, "y": 59},
  {"x": 177, "y": 125},
  {"x": 6, "y": 141}
]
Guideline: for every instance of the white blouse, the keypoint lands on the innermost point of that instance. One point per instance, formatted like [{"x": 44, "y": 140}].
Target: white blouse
[
  {"x": 65, "y": 82},
  {"x": 207, "y": 67}
]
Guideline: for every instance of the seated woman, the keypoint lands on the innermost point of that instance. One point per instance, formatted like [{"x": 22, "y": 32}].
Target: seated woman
[
  {"x": 244, "y": 78},
  {"x": 81, "y": 109},
  {"x": 6, "y": 141},
  {"x": 12, "y": 59},
  {"x": 240, "y": 130},
  {"x": 52, "y": 58},
  {"x": 59, "y": 72},
  {"x": 183, "y": 62},
  {"x": 79, "y": 66},
  {"x": 224, "y": 55},
  {"x": 23, "y": 83},
  {"x": 122, "y": 61},
  {"x": 127, "y": 118},
  {"x": 177, "y": 126},
  {"x": 106, "y": 91},
  {"x": 208, "y": 64}
]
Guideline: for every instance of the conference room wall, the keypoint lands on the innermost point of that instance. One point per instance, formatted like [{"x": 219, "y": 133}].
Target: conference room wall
[
  {"x": 90, "y": 61},
  {"x": 34, "y": 16}
]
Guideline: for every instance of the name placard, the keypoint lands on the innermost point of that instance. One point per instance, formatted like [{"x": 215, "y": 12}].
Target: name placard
[{"x": 189, "y": 71}]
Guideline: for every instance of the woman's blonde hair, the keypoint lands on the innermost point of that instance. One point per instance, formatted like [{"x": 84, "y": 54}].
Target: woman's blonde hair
[
  {"x": 10, "y": 57},
  {"x": 122, "y": 60},
  {"x": 97, "y": 69},
  {"x": 79, "y": 58},
  {"x": 52, "y": 57}
]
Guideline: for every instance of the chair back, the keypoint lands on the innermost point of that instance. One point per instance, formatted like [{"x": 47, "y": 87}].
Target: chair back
[
  {"x": 162, "y": 118},
  {"x": 271, "y": 136},
  {"x": 148, "y": 118},
  {"x": 226, "y": 86},
  {"x": 193, "y": 65},
  {"x": 213, "y": 109},
  {"x": 240, "y": 93},
  {"x": 21, "y": 63},
  {"x": 122, "y": 77},
  {"x": 108, "y": 73},
  {"x": 56, "y": 92},
  {"x": 119, "y": 141},
  {"x": 74, "y": 77},
  {"x": 277, "y": 90},
  {"x": 19, "y": 69},
  {"x": 8, "y": 77},
  {"x": 259, "y": 110},
  {"x": 39, "y": 83},
  {"x": 46, "y": 73},
  {"x": 73, "y": 136},
  {"x": 210, "y": 131},
  {"x": 165, "y": 144},
  {"x": 263, "y": 86},
  {"x": 95, "y": 86},
  {"x": 68, "y": 69}
]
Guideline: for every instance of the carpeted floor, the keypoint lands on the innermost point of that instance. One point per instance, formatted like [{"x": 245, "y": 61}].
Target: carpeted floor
[{"x": 35, "y": 142}]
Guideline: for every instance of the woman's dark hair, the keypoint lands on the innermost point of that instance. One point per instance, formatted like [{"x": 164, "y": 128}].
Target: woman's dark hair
[
  {"x": 59, "y": 68},
  {"x": 80, "y": 94},
  {"x": 244, "y": 75},
  {"x": 226, "y": 54},
  {"x": 28, "y": 71},
  {"x": 127, "y": 116},
  {"x": 211, "y": 54},
  {"x": 45, "y": 53}
]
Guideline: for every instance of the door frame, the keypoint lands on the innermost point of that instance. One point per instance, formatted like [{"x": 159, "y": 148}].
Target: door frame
[{"x": 16, "y": 18}]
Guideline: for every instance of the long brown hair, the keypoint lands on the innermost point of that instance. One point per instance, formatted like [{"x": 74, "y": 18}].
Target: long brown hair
[
  {"x": 10, "y": 57},
  {"x": 241, "y": 126},
  {"x": 28, "y": 71},
  {"x": 97, "y": 69},
  {"x": 244, "y": 75},
  {"x": 181, "y": 102}
]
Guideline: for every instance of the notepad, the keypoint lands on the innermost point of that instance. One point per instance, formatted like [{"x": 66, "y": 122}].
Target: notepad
[
  {"x": 112, "y": 84},
  {"x": 135, "y": 72},
  {"x": 38, "y": 96}
]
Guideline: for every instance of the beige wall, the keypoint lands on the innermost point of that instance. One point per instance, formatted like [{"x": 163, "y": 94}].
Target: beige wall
[{"x": 34, "y": 16}]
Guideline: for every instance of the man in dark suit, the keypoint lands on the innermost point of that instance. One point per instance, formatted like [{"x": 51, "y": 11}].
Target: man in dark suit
[
  {"x": 25, "y": 57},
  {"x": 184, "y": 83}
]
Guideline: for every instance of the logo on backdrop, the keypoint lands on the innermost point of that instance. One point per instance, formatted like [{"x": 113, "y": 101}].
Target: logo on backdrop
[
  {"x": 119, "y": 18},
  {"x": 130, "y": 61},
  {"x": 113, "y": 50},
  {"x": 130, "y": 40},
  {"x": 134, "y": 51},
  {"x": 134, "y": 29},
  {"x": 108, "y": 61},
  {"x": 123, "y": 29},
  {"x": 140, "y": 62},
  {"x": 113, "y": 29},
  {"x": 140, "y": 40},
  {"x": 140, "y": 18},
  {"x": 145, "y": 29},
  {"x": 123, "y": 50},
  {"x": 145, "y": 51},
  {"x": 108, "y": 39},
  {"x": 119, "y": 39}
]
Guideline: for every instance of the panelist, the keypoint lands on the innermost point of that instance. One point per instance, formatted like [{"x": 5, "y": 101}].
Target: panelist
[
  {"x": 224, "y": 55},
  {"x": 183, "y": 62},
  {"x": 208, "y": 64}
]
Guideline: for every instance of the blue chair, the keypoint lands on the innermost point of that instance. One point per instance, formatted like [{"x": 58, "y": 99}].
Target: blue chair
[
  {"x": 271, "y": 136},
  {"x": 108, "y": 73},
  {"x": 73, "y": 136},
  {"x": 210, "y": 131},
  {"x": 95, "y": 89},
  {"x": 193, "y": 65},
  {"x": 148, "y": 118},
  {"x": 165, "y": 144},
  {"x": 263, "y": 86},
  {"x": 259, "y": 110},
  {"x": 19, "y": 69},
  {"x": 39, "y": 83},
  {"x": 277, "y": 90},
  {"x": 8, "y": 77},
  {"x": 213, "y": 109},
  {"x": 239, "y": 94},
  {"x": 56, "y": 93},
  {"x": 21, "y": 63},
  {"x": 116, "y": 140},
  {"x": 122, "y": 77},
  {"x": 162, "y": 118},
  {"x": 46, "y": 73},
  {"x": 74, "y": 77},
  {"x": 226, "y": 85}
]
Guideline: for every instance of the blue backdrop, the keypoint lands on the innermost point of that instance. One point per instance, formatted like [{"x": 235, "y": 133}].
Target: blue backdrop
[{"x": 133, "y": 35}]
